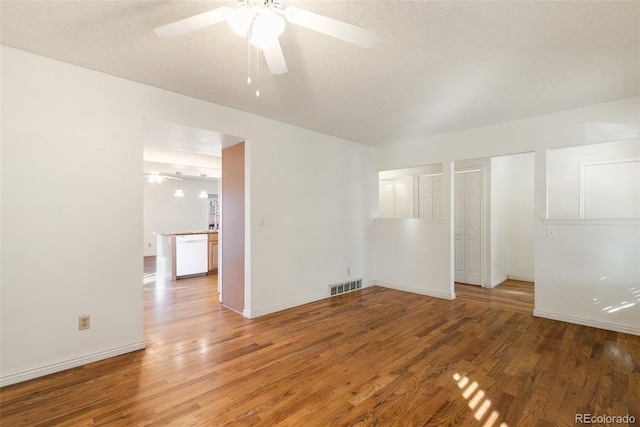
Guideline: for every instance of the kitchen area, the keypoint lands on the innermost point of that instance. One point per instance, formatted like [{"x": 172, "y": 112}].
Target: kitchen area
[
  {"x": 181, "y": 223},
  {"x": 181, "y": 204},
  {"x": 186, "y": 254}
]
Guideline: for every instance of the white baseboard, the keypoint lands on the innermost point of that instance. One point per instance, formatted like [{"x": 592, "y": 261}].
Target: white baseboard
[
  {"x": 499, "y": 280},
  {"x": 436, "y": 294},
  {"x": 521, "y": 278},
  {"x": 30, "y": 374},
  {"x": 587, "y": 322},
  {"x": 252, "y": 314}
]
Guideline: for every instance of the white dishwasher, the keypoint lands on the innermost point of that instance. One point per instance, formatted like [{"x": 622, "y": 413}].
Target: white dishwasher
[{"x": 191, "y": 254}]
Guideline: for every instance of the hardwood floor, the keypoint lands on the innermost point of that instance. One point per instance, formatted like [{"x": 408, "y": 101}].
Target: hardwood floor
[
  {"x": 372, "y": 357},
  {"x": 510, "y": 294},
  {"x": 149, "y": 265}
]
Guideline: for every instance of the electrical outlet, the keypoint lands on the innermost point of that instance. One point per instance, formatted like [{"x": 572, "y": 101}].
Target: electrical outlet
[
  {"x": 84, "y": 322},
  {"x": 348, "y": 271}
]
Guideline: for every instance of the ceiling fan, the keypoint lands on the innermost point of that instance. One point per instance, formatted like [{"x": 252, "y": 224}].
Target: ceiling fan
[
  {"x": 156, "y": 178},
  {"x": 262, "y": 21}
]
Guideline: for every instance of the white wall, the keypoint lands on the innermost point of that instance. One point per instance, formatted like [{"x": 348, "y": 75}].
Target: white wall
[
  {"x": 71, "y": 229},
  {"x": 588, "y": 273},
  {"x": 72, "y": 215},
  {"x": 563, "y": 170},
  {"x": 555, "y": 260},
  {"x": 165, "y": 213},
  {"x": 319, "y": 198},
  {"x": 414, "y": 254},
  {"x": 499, "y": 230},
  {"x": 407, "y": 256},
  {"x": 513, "y": 217}
]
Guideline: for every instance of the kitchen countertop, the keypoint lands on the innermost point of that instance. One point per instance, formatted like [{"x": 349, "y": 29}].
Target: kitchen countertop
[{"x": 187, "y": 233}]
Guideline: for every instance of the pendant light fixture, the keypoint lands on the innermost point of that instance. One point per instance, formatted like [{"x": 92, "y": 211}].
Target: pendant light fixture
[
  {"x": 203, "y": 193},
  {"x": 179, "y": 192}
]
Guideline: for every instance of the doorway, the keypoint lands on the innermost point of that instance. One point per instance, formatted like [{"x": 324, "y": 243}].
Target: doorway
[{"x": 197, "y": 154}]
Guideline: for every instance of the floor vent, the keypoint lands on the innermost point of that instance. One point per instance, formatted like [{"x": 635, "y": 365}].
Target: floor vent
[{"x": 341, "y": 288}]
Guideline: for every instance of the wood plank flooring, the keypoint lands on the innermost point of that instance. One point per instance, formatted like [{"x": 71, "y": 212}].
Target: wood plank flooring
[
  {"x": 510, "y": 295},
  {"x": 373, "y": 357}
]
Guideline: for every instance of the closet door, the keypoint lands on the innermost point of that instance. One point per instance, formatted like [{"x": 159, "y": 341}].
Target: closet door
[
  {"x": 468, "y": 227},
  {"x": 396, "y": 198},
  {"x": 430, "y": 196}
]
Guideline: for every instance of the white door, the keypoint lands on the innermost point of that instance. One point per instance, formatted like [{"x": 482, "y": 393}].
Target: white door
[
  {"x": 430, "y": 196},
  {"x": 396, "y": 198},
  {"x": 467, "y": 220}
]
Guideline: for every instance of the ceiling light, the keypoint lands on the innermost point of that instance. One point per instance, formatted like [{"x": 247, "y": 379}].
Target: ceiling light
[
  {"x": 155, "y": 178},
  {"x": 203, "y": 193},
  {"x": 266, "y": 28},
  {"x": 179, "y": 192},
  {"x": 240, "y": 20},
  {"x": 263, "y": 21}
]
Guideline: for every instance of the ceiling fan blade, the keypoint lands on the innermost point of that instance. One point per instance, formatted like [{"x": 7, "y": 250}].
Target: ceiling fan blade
[
  {"x": 331, "y": 27},
  {"x": 193, "y": 23},
  {"x": 154, "y": 175},
  {"x": 275, "y": 58}
]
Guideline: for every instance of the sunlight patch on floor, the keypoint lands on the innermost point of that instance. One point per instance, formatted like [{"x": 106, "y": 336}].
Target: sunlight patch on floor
[
  {"x": 477, "y": 401},
  {"x": 148, "y": 278}
]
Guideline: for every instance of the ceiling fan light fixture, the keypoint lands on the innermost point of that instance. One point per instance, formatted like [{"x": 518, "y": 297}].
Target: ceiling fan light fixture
[
  {"x": 263, "y": 21},
  {"x": 239, "y": 20},
  {"x": 155, "y": 178},
  {"x": 267, "y": 27}
]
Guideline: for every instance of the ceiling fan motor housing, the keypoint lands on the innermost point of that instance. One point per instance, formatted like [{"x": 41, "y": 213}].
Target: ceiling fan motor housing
[{"x": 268, "y": 4}]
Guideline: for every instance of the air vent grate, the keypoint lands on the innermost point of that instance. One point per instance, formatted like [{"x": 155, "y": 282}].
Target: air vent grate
[{"x": 341, "y": 288}]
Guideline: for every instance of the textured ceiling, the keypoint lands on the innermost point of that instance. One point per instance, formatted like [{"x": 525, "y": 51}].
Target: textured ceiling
[
  {"x": 438, "y": 66},
  {"x": 176, "y": 137},
  {"x": 171, "y": 147}
]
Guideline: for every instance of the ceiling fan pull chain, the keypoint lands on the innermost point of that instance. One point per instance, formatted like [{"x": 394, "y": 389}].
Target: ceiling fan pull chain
[
  {"x": 257, "y": 73},
  {"x": 248, "y": 61}
]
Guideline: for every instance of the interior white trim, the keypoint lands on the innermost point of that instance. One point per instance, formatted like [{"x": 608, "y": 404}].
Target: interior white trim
[
  {"x": 442, "y": 295},
  {"x": 499, "y": 280},
  {"x": 40, "y": 371},
  {"x": 587, "y": 322},
  {"x": 595, "y": 221},
  {"x": 521, "y": 278},
  {"x": 428, "y": 221},
  {"x": 583, "y": 167}
]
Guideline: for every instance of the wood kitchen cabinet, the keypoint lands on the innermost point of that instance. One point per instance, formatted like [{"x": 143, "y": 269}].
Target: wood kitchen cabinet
[{"x": 213, "y": 253}]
